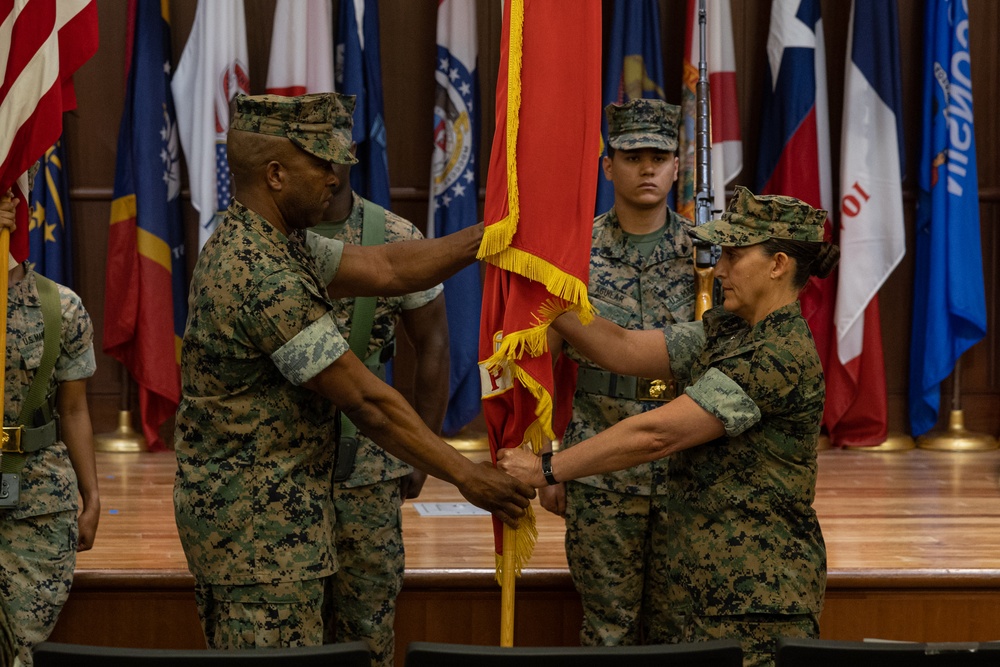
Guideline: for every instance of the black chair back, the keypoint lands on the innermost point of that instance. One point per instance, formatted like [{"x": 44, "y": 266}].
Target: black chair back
[
  {"x": 721, "y": 653},
  {"x": 350, "y": 654},
  {"x": 829, "y": 653}
]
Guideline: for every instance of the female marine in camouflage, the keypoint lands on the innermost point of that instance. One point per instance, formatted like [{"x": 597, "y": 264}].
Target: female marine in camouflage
[{"x": 747, "y": 556}]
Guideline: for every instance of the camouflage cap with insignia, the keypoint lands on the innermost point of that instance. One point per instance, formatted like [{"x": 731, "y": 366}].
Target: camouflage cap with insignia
[
  {"x": 643, "y": 123},
  {"x": 754, "y": 219},
  {"x": 306, "y": 120}
]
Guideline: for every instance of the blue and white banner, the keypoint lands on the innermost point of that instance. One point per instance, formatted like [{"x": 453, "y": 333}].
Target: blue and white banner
[{"x": 949, "y": 299}]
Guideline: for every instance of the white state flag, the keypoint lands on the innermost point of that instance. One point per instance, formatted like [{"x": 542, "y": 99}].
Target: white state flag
[
  {"x": 872, "y": 235},
  {"x": 213, "y": 68},
  {"x": 301, "y": 48}
]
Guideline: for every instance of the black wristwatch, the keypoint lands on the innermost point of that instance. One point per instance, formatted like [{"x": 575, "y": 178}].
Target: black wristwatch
[{"x": 547, "y": 468}]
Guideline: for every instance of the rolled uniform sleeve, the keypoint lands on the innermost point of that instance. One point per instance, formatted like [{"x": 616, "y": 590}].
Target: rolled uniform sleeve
[
  {"x": 721, "y": 396},
  {"x": 304, "y": 356},
  {"x": 294, "y": 324},
  {"x": 76, "y": 360},
  {"x": 416, "y": 300},
  {"x": 327, "y": 254}
]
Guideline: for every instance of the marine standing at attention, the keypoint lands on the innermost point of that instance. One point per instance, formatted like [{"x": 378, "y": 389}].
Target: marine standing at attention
[{"x": 641, "y": 277}]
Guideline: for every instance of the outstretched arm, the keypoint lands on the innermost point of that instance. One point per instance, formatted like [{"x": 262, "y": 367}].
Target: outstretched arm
[
  {"x": 408, "y": 266},
  {"x": 676, "y": 426},
  {"x": 381, "y": 413},
  {"x": 642, "y": 352}
]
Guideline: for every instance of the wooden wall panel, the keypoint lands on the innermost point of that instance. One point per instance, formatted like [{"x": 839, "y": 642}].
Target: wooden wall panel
[{"x": 407, "y": 41}]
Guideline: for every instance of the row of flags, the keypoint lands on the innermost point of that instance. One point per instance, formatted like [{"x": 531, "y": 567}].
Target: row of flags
[
  {"x": 50, "y": 39},
  {"x": 949, "y": 313}
]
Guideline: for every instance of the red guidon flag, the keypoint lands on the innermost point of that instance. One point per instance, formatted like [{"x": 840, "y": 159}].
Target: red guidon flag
[{"x": 539, "y": 213}]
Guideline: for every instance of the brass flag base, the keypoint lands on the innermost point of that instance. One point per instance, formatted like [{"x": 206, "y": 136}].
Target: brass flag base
[
  {"x": 122, "y": 439},
  {"x": 895, "y": 442},
  {"x": 956, "y": 438}
]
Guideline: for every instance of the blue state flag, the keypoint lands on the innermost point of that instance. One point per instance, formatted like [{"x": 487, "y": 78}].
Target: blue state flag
[
  {"x": 949, "y": 298},
  {"x": 455, "y": 196},
  {"x": 359, "y": 73},
  {"x": 49, "y": 239},
  {"x": 634, "y": 69}
]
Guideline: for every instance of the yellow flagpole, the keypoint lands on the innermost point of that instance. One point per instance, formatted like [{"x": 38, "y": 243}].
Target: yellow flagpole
[
  {"x": 4, "y": 282},
  {"x": 507, "y": 586}
]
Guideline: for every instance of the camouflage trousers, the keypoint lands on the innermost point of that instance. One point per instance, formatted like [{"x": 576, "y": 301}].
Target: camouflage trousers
[
  {"x": 37, "y": 559},
  {"x": 370, "y": 552},
  {"x": 275, "y": 615},
  {"x": 616, "y": 548},
  {"x": 758, "y": 633}
]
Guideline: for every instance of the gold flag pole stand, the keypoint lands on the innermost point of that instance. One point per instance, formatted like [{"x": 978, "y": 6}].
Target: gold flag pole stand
[
  {"x": 124, "y": 438},
  {"x": 956, "y": 438},
  {"x": 894, "y": 442}
]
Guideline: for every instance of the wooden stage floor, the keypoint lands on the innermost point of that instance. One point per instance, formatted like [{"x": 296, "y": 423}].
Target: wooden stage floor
[{"x": 913, "y": 541}]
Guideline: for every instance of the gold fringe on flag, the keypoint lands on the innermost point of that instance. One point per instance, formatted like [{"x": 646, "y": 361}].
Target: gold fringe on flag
[{"x": 570, "y": 292}]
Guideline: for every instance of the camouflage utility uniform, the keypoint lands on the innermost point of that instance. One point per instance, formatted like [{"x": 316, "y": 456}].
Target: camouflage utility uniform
[
  {"x": 746, "y": 555},
  {"x": 255, "y": 449},
  {"x": 38, "y": 538},
  {"x": 615, "y": 538},
  {"x": 368, "y": 533}
]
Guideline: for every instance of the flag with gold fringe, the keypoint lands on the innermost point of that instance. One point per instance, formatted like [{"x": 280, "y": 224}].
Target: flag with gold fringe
[{"x": 539, "y": 212}]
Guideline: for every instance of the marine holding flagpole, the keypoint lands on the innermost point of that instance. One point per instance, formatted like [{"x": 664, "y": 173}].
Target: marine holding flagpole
[{"x": 746, "y": 559}]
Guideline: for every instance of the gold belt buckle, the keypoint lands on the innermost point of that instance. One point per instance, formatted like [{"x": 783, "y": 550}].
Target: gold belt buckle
[
  {"x": 655, "y": 390},
  {"x": 11, "y": 442}
]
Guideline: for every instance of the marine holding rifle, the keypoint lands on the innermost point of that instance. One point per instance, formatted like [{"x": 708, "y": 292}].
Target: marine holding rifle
[
  {"x": 745, "y": 554},
  {"x": 641, "y": 277}
]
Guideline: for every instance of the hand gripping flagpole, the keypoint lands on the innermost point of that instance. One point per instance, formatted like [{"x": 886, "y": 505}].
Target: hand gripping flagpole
[{"x": 704, "y": 196}]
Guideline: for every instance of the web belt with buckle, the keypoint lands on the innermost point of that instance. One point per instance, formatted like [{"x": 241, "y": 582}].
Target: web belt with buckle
[
  {"x": 605, "y": 383},
  {"x": 22, "y": 440}
]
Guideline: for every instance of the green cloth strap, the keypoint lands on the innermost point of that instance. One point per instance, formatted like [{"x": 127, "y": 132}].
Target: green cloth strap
[
  {"x": 363, "y": 316},
  {"x": 48, "y": 296}
]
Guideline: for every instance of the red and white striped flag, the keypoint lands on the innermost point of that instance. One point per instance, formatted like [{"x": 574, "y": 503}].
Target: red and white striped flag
[
  {"x": 301, "y": 48},
  {"x": 42, "y": 43}
]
